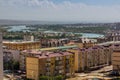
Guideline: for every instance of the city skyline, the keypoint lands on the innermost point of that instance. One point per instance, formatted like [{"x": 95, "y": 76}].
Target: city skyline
[{"x": 61, "y": 10}]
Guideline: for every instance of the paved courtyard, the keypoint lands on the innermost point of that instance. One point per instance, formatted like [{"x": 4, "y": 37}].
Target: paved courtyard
[{"x": 101, "y": 74}]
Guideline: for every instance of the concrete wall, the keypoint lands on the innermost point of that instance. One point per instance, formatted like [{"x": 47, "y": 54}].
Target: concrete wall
[
  {"x": 77, "y": 61},
  {"x": 32, "y": 66},
  {"x": 116, "y": 60}
]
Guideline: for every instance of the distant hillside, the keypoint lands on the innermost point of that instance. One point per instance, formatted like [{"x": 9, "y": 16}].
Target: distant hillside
[
  {"x": 19, "y": 22},
  {"x": 67, "y": 24}
]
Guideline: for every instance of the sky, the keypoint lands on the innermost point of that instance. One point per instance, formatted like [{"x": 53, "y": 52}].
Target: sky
[{"x": 61, "y": 10}]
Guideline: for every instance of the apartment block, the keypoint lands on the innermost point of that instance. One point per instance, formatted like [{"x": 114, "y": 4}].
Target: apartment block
[
  {"x": 11, "y": 55},
  {"x": 116, "y": 58},
  {"x": 50, "y": 64},
  {"x": 81, "y": 44},
  {"x": 87, "y": 59},
  {"x": 25, "y": 53},
  {"x": 115, "y": 54},
  {"x": 53, "y": 42},
  {"x": 22, "y": 45},
  {"x": 98, "y": 57}
]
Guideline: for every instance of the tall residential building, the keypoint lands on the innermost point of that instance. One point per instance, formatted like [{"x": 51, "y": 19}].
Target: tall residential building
[
  {"x": 1, "y": 58},
  {"x": 116, "y": 58},
  {"x": 49, "y": 64},
  {"x": 90, "y": 58},
  {"x": 23, "y": 54},
  {"x": 115, "y": 55},
  {"x": 11, "y": 55},
  {"x": 84, "y": 44},
  {"x": 23, "y": 45}
]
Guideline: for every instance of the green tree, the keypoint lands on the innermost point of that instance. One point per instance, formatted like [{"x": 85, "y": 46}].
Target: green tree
[
  {"x": 16, "y": 65},
  {"x": 59, "y": 77},
  {"x": 44, "y": 78}
]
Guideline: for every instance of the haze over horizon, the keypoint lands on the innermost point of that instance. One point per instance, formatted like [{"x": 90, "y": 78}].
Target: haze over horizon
[{"x": 61, "y": 10}]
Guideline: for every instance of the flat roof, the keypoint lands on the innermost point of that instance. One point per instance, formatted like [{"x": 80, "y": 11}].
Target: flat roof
[
  {"x": 19, "y": 42},
  {"x": 110, "y": 42},
  {"x": 60, "y": 47},
  {"x": 51, "y": 54}
]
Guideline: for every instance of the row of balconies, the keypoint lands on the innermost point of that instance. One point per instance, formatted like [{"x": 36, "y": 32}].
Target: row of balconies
[
  {"x": 59, "y": 58},
  {"x": 59, "y": 67},
  {"x": 58, "y": 63},
  {"x": 56, "y": 67},
  {"x": 67, "y": 57},
  {"x": 60, "y": 72}
]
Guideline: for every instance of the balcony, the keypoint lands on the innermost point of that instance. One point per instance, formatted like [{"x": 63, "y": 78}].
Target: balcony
[
  {"x": 48, "y": 60},
  {"x": 48, "y": 73},
  {"x": 58, "y": 63},
  {"x": 48, "y": 64},
  {"x": 59, "y": 67},
  {"x": 60, "y": 71},
  {"x": 67, "y": 62},
  {"x": 67, "y": 66},
  {"x": 68, "y": 74},
  {"x": 61, "y": 58},
  {"x": 57, "y": 58},
  {"x": 67, "y": 70},
  {"x": 67, "y": 57},
  {"x": 47, "y": 69}
]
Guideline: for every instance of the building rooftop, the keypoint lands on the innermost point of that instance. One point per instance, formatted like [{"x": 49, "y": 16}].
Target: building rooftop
[
  {"x": 46, "y": 54},
  {"x": 38, "y": 51},
  {"x": 19, "y": 42},
  {"x": 109, "y": 43},
  {"x": 60, "y": 47}
]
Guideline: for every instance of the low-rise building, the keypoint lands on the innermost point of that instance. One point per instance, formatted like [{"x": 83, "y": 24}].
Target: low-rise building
[{"x": 49, "y": 64}]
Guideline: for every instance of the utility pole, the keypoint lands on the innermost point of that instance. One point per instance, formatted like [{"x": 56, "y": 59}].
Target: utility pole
[{"x": 1, "y": 58}]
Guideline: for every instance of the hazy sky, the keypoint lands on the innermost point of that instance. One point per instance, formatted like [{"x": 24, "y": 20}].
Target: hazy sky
[{"x": 61, "y": 10}]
